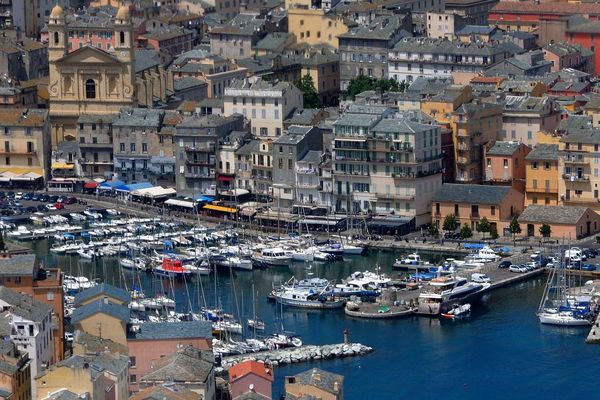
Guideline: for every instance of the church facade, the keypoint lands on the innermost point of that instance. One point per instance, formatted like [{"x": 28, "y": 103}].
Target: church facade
[{"x": 88, "y": 81}]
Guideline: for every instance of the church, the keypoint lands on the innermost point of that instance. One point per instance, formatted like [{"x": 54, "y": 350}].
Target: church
[{"x": 88, "y": 80}]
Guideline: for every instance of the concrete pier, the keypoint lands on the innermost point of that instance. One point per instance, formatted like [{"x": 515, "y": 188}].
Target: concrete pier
[
  {"x": 300, "y": 354},
  {"x": 594, "y": 336}
]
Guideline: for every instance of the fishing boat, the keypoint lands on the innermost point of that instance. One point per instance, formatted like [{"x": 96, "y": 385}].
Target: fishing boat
[
  {"x": 458, "y": 311},
  {"x": 171, "y": 268},
  {"x": 557, "y": 307},
  {"x": 303, "y": 297},
  {"x": 445, "y": 292}
]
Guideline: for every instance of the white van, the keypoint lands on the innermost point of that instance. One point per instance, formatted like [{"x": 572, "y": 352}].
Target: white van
[{"x": 480, "y": 278}]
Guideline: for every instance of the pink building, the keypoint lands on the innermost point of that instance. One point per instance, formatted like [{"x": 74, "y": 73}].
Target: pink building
[
  {"x": 150, "y": 341},
  {"x": 251, "y": 376},
  {"x": 505, "y": 164}
]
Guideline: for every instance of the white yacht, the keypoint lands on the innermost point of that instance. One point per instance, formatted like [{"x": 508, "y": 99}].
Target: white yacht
[
  {"x": 412, "y": 262},
  {"x": 367, "y": 280},
  {"x": 133, "y": 263},
  {"x": 445, "y": 292},
  {"x": 485, "y": 254},
  {"x": 305, "y": 297},
  {"x": 274, "y": 257}
]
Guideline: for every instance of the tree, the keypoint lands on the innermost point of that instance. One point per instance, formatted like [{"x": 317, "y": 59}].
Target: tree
[
  {"x": 450, "y": 223},
  {"x": 494, "y": 234},
  {"x": 514, "y": 228},
  {"x": 307, "y": 86},
  {"x": 545, "y": 230},
  {"x": 363, "y": 83},
  {"x": 483, "y": 226},
  {"x": 432, "y": 230},
  {"x": 466, "y": 232}
]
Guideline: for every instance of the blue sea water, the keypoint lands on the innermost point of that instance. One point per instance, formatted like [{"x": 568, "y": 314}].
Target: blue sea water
[{"x": 500, "y": 352}]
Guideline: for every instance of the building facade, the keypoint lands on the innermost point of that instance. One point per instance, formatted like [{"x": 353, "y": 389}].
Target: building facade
[{"x": 541, "y": 171}]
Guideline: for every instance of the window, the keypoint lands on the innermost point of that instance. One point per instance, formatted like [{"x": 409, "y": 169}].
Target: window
[
  {"x": 278, "y": 131},
  {"x": 280, "y": 163},
  {"x": 290, "y": 164},
  {"x": 546, "y": 165},
  {"x": 145, "y": 147},
  {"x": 90, "y": 89},
  {"x": 534, "y": 165},
  {"x": 132, "y": 147},
  {"x": 493, "y": 210},
  {"x": 56, "y": 38},
  {"x": 505, "y": 163},
  {"x": 132, "y": 378},
  {"x": 122, "y": 37},
  {"x": 122, "y": 147}
]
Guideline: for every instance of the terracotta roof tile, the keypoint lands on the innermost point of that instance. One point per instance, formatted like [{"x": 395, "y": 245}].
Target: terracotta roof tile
[{"x": 244, "y": 368}]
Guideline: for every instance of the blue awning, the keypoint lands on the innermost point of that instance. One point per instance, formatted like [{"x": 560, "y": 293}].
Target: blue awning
[
  {"x": 134, "y": 186},
  {"x": 205, "y": 198},
  {"x": 111, "y": 184},
  {"x": 474, "y": 246}
]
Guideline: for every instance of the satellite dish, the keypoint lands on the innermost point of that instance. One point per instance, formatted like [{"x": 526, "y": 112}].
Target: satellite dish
[{"x": 251, "y": 386}]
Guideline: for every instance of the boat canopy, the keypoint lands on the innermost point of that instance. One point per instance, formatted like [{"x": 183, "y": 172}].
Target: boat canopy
[{"x": 474, "y": 246}]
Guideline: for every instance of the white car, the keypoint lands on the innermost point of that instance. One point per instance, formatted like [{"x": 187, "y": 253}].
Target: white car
[
  {"x": 480, "y": 278},
  {"x": 50, "y": 207},
  {"x": 68, "y": 337},
  {"x": 535, "y": 254},
  {"x": 18, "y": 195},
  {"x": 517, "y": 268}
]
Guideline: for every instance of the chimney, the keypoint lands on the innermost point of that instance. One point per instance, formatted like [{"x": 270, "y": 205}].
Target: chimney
[{"x": 336, "y": 386}]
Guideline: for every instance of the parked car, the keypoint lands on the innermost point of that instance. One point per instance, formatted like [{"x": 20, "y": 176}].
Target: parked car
[
  {"x": 70, "y": 200},
  {"x": 53, "y": 199},
  {"x": 535, "y": 254},
  {"x": 50, "y": 207},
  {"x": 588, "y": 267},
  {"x": 27, "y": 196},
  {"x": 44, "y": 198},
  {"x": 517, "y": 268},
  {"x": 59, "y": 206},
  {"x": 590, "y": 253},
  {"x": 35, "y": 197},
  {"x": 41, "y": 208},
  {"x": 504, "y": 264},
  {"x": 31, "y": 209},
  {"x": 19, "y": 196},
  {"x": 61, "y": 199}
]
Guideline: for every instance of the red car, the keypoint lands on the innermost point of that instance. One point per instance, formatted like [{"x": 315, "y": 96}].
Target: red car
[{"x": 59, "y": 206}]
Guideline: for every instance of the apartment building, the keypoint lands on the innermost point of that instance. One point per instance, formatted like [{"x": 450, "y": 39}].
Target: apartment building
[
  {"x": 524, "y": 116},
  {"x": 135, "y": 141},
  {"x": 386, "y": 162},
  {"x": 505, "y": 164},
  {"x": 579, "y": 168},
  {"x": 443, "y": 25},
  {"x": 364, "y": 49},
  {"x": 473, "y": 125},
  {"x": 541, "y": 171},
  {"x": 26, "y": 137},
  {"x": 15, "y": 370},
  {"x": 424, "y": 57},
  {"x": 96, "y": 145},
  {"x": 266, "y": 104},
  {"x": 236, "y": 38},
  {"x": 195, "y": 147},
  {"x": 288, "y": 150},
  {"x": 254, "y": 166}
]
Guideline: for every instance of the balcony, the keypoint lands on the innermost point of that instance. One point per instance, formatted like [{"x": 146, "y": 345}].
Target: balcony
[
  {"x": 262, "y": 178},
  {"x": 97, "y": 162},
  {"x": 353, "y": 159},
  {"x": 201, "y": 148},
  {"x": 474, "y": 215},
  {"x": 395, "y": 196},
  {"x": 463, "y": 147},
  {"x": 307, "y": 171},
  {"x": 191, "y": 175},
  {"x": 576, "y": 178},
  {"x": 200, "y": 162},
  {"x": 532, "y": 189},
  {"x": 574, "y": 161},
  {"x": 18, "y": 153},
  {"x": 308, "y": 185},
  {"x": 95, "y": 145}
]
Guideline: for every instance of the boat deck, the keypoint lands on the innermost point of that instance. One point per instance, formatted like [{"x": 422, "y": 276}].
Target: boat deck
[{"x": 371, "y": 310}]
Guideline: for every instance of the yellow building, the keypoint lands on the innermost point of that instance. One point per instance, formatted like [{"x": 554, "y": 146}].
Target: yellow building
[
  {"x": 103, "y": 319},
  {"x": 314, "y": 26},
  {"x": 442, "y": 106},
  {"x": 578, "y": 166},
  {"x": 315, "y": 383},
  {"x": 26, "y": 147},
  {"x": 541, "y": 172},
  {"x": 324, "y": 69},
  {"x": 88, "y": 80},
  {"x": 473, "y": 125}
]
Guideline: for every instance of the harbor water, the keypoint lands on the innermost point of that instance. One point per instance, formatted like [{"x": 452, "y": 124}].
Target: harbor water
[{"x": 501, "y": 351}]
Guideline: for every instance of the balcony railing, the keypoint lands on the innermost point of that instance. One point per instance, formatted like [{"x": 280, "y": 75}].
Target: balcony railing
[
  {"x": 193, "y": 175},
  {"x": 576, "y": 161},
  {"x": 576, "y": 178},
  {"x": 395, "y": 196},
  {"x": 540, "y": 189},
  {"x": 202, "y": 148},
  {"x": 200, "y": 162},
  {"x": 474, "y": 215}
]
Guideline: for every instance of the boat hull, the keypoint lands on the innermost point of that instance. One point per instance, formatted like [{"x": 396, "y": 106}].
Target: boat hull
[
  {"x": 316, "y": 304},
  {"x": 554, "y": 319},
  {"x": 435, "y": 308}
]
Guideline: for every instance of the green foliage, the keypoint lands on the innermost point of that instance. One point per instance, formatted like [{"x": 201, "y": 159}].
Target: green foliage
[
  {"x": 466, "y": 232},
  {"x": 2, "y": 244},
  {"x": 514, "y": 226},
  {"x": 545, "y": 230},
  {"x": 311, "y": 98},
  {"x": 450, "y": 223},
  {"x": 484, "y": 226},
  {"x": 432, "y": 230},
  {"x": 494, "y": 234},
  {"x": 363, "y": 83}
]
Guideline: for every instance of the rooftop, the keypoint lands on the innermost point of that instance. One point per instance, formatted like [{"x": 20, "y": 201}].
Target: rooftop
[
  {"x": 258, "y": 84},
  {"x": 97, "y": 363},
  {"x": 537, "y": 8},
  {"x": 386, "y": 27},
  {"x": 172, "y": 330},
  {"x": 101, "y": 290},
  {"x": 186, "y": 365},
  {"x": 167, "y": 33},
  {"x": 187, "y": 82},
  {"x": 525, "y": 103},
  {"x": 28, "y": 117},
  {"x": 24, "y": 305},
  {"x": 294, "y": 135},
  {"x": 241, "y": 24},
  {"x": 319, "y": 378},
  {"x": 303, "y": 117},
  {"x": 95, "y": 344},
  {"x": 501, "y": 148},
  {"x": 139, "y": 117},
  {"x": 445, "y": 46},
  {"x": 469, "y": 193},
  {"x": 100, "y": 307},
  {"x": 167, "y": 391},
  {"x": 543, "y": 152},
  {"x": 146, "y": 59},
  {"x": 274, "y": 41},
  {"x": 244, "y": 368},
  {"x": 562, "y": 215}
]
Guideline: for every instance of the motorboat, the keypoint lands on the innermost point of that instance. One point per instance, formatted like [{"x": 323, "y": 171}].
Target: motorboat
[
  {"x": 256, "y": 324},
  {"x": 133, "y": 263},
  {"x": 458, "y": 311},
  {"x": 444, "y": 292},
  {"x": 342, "y": 249},
  {"x": 171, "y": 268},
  {"x": 201, "y": 269},
  {"x": 367, "y": 280},
  {"x": 87, "y": 254},
  {"x": 283, "y": 340},
  {"x": 274, "y": 257},
  {"x": 485, "y": 254},
  {"x": 412, "y": 262}
]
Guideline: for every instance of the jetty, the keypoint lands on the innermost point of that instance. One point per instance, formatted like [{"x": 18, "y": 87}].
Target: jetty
[{"x": 299, "y": 354}]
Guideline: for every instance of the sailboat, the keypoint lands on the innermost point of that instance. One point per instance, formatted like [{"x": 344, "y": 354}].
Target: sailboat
[
  {"x": 255, "y": 323},
  {"x": 556, "y": 307}
]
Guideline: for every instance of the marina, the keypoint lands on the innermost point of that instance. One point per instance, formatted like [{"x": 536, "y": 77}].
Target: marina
[{"x": 231, "y": 289}]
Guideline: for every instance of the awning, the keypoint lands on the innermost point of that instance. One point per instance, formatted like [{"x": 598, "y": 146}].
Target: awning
[
  {"x": 180, "y": 203},
  {"x": 205, "y": 198},
  {"x": 7, "y": 176},
  {"x": 212, "y": 207},
  {"x": 154, "y": 192},
  {"x": 133, "y": 187},
  {"x": 234, "y": 192},
  {"x": 111, "y": 184},
  {"x": 225, "y": 178},
  {"x": 62, "y": 165},
  {"x": 318, "y": 222},
  {"x": 90, "y": 185},
  {"x": 30, "y": 176}
]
